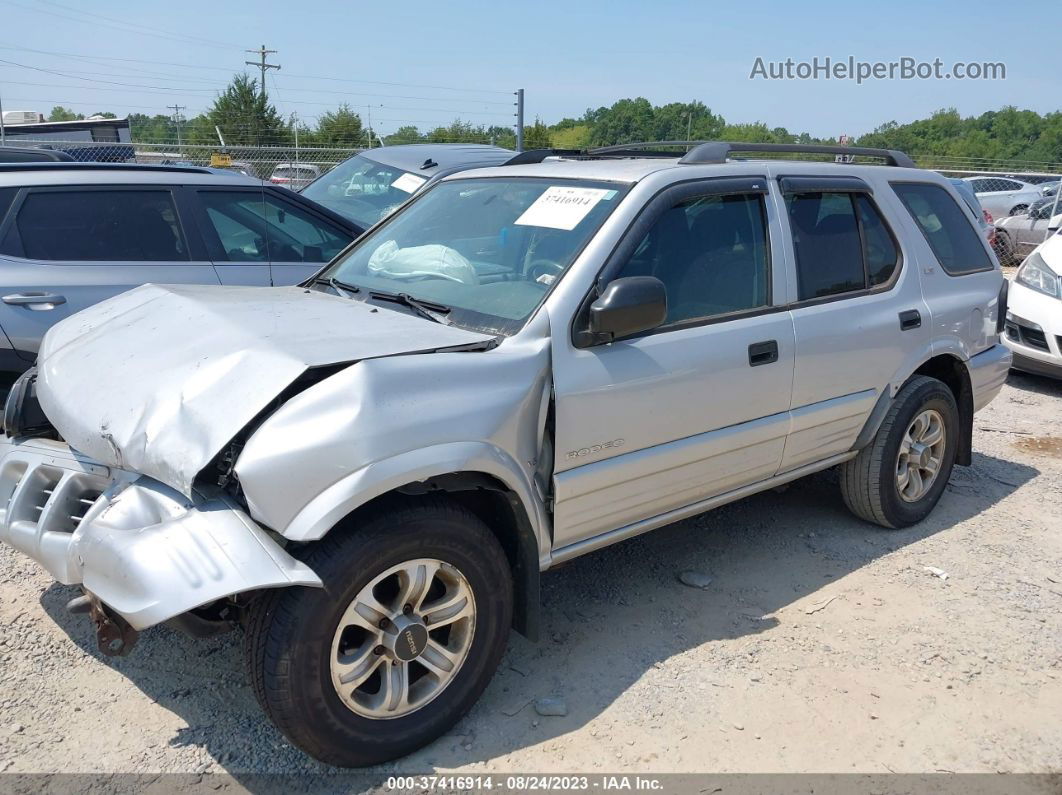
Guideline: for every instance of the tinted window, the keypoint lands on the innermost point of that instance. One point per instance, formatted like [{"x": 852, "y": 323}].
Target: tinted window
[
  {"x": 842, "y": 244},
  {"x": 951, "y": 235},
  {"x": 879, "y": 249},
  {"x": 711, "y": 254},
  {"x": 257, "y": 227},
  {"x": 826, "y": 239},
  {"x": 95, "y": 225}
]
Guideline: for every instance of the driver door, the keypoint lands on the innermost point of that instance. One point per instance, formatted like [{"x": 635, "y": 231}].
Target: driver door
[{"x": 698, "y": 406}]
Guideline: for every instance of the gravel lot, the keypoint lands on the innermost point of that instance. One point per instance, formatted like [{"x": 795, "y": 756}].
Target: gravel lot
[{"x": 821, "y": 644}]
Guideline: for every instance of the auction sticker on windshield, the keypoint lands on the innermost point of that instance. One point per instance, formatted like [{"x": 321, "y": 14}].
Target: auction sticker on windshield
[
  {"x": 562, "y": 208},
  {"x": 408, "y": 183}
]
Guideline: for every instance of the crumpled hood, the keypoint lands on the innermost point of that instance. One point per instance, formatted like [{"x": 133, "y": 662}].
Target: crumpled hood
[{"x": 159, "y": 379}]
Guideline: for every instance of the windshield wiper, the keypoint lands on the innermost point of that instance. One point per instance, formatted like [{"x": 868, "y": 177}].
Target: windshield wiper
[
  {"x": 426, "y": 309},
  {"x": 344, "y": 289}
]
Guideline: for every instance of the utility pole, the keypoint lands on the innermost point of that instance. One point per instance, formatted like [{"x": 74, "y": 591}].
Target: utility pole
[
  {"x": 262, "y": 52},
  {"x": 177, "y": 119},
  {"x": 519, "y": 120},
  {"x": 295, "y": 125}
]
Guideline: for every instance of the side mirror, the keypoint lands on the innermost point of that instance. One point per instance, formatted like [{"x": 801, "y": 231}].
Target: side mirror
[{"x": 627, "y": 306}]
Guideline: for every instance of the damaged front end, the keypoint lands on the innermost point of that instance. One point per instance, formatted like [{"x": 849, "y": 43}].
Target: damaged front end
[{"x": 143, "y": 552}]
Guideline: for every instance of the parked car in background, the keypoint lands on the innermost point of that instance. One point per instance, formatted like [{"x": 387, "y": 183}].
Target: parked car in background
[
  {"x": 1017, "y": 235},
  {"x": 32, "y": 154},
  {"x": 295, "y": 176},
  {"x": 371, "y": 184},
  {"x": 72, "y": 234},
  {"x": 519, "y": 366},
  {"x": 1034, "y": 316},
  {"x": 1050, "y": 188},
  {"x": 1004, "y": 195},
  {"x": 981, "y": 215}
]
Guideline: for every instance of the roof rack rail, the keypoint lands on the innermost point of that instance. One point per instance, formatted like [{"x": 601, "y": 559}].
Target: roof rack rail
[
  {"x": 719, "y": 151},
  {"x": 93, "y": 165},
  {"x": 538, "y": 155}
]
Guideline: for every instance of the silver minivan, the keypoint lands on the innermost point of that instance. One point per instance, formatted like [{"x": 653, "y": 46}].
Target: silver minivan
[{"x": 519, "y": 366}]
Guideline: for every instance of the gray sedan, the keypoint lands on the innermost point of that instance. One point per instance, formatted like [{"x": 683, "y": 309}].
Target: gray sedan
[{"x": 1017, "y": 235}]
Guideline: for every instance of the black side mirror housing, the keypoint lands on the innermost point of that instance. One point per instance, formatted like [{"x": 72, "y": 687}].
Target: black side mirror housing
[{"x": 628, "y": 306}]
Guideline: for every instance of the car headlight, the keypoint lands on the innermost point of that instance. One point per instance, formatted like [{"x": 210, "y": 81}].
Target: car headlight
[{"x": 1036, "y": 275}]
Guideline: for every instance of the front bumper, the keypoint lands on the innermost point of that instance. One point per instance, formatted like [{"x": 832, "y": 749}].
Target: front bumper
[{"x": 143, "y": 549}]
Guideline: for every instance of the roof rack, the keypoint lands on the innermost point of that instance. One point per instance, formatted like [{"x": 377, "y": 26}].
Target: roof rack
[
  {"x": 90, "y": 165},
  {"x": 719, "y": 151},
  {"x": 538, "y": 155}
]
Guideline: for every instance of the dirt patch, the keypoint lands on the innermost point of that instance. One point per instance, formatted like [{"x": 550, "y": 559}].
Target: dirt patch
[{"x": 1041, "y": 445}]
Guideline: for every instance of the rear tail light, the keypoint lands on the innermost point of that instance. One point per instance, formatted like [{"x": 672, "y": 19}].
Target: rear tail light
[{"x": 988, "y": 216}]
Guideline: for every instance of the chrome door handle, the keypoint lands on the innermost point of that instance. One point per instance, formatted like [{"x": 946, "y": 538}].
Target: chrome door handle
[{"x": 29, "y": 299}]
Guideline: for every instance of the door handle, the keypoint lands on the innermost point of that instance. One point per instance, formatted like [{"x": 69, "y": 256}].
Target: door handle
[
  {"x": 763, "y": 353},
  {"x": 910, "y": 319},
  {"x": 29, "y": 299}
]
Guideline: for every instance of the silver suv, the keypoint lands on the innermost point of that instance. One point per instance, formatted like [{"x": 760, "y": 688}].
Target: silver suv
[{"x": 520, "y": 366}]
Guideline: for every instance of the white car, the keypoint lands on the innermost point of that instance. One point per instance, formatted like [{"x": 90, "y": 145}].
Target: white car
[
  {"x": 1003, "y": 196},
  {"x": 1034, "y": 312}
]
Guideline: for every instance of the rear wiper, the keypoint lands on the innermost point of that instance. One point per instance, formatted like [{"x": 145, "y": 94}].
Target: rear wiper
[
  {"x": 344, "y": 289},
  {"x": 426, "y": 309}
]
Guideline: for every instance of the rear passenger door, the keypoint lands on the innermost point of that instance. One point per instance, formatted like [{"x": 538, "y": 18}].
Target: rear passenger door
[
  {"x": 66, "y": 248},
  {"x": 698, "y": 406},
  {"x": 858, "y": 313},
  {"x": 257, "y": 237}
]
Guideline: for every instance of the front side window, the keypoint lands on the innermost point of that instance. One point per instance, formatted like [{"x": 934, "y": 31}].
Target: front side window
[
  {"x": 487, "y": 250},
  {"x": 97, "y": 225},
  {"x": 842, "y": 244},
  {"x": 949, "y": 232},
  {"x": 711, "y": 254},
  {"x": 363, "y": 190},
  {"x": 256, "y": 227}
]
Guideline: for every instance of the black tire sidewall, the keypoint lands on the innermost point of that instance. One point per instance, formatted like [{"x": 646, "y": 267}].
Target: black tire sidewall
[
  {"x": 351, "y": 739},
  {"x": 931, "y": 395}
]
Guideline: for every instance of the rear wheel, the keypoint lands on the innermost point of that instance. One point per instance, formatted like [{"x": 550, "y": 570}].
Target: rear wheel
[
  {"x": 405, "y": 635},
  {"x": 898, "y": 478},
  {"x": 1018, "y": 209}
]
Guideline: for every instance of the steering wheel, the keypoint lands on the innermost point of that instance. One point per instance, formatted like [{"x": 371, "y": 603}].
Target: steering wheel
[{"x": 542, "y": 267}]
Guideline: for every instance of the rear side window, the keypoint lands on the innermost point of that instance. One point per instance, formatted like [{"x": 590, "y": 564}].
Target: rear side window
[
  {"x": 842, "y": 244},
  {"x": 947, "y": 229},
  {"x": 100, "y": 225}
]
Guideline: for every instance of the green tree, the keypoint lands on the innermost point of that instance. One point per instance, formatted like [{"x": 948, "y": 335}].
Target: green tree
[
  {"x": 246, "y": 117},
  {"x": 59, "y": 113},
  {"x": 341, "y": 127},
  {"x": 404, "y": 135},
  {"x": 537, "y": 136}
]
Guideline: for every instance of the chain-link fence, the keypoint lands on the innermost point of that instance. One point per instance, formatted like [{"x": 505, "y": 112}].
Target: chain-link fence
[{"x": 288, "y": 164}]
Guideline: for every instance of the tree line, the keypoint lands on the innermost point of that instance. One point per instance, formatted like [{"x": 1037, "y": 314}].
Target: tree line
[{"x": 245, "y": 117}]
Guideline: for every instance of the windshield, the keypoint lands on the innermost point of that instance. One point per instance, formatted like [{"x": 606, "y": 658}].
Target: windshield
[
  {"x": 364, "y": 190},
  {"x": 488, "y": 250}
]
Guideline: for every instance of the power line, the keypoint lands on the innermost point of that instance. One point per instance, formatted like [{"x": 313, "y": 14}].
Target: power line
[
  {"x": 68, "y": 55},
  {"x": 199, "y": 39},
  {"x": 262, "y": 52},
  {"x": 126, "y": 27}
]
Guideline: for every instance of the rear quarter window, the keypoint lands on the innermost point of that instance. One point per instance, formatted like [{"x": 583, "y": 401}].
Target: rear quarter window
[{"x": 955, "y": 241}]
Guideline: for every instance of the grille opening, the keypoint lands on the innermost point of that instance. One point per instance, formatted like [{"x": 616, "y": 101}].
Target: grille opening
[
  {"x": 39, "y": 485},
  {"x": 74, "y": 499}
]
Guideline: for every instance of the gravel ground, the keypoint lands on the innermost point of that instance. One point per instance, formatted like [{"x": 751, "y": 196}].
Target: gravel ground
[{"x": 821, "y": 644}]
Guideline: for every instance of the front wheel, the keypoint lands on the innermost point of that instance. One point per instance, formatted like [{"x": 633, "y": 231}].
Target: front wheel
[
  {"x": 897, "y": 479},
  {"x": 407, "y": 632}
]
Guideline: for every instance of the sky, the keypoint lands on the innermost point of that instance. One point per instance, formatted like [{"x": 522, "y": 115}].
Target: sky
[{"x": 426, "y": 63}]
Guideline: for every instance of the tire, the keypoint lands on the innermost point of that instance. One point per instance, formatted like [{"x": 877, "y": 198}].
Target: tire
[
  {"x": 1018, "y": 209},
  {"x": 1004, "y": 248},
  {"x": 870, "y": 482},
  {"x": 294, "y": 641}
]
